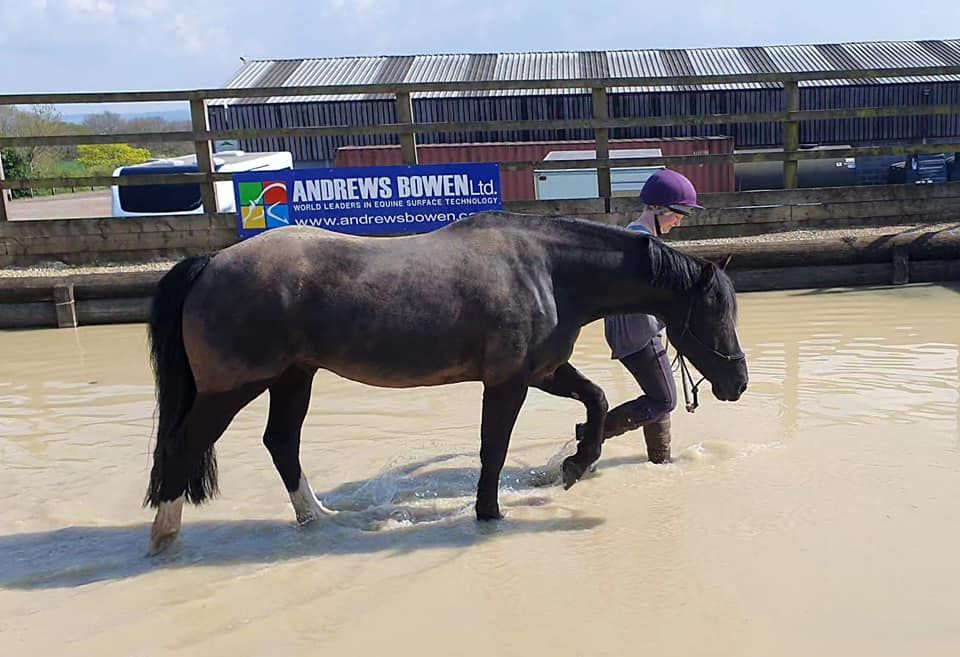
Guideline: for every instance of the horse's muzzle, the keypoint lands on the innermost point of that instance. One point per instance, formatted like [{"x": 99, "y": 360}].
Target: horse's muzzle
[{"x": 731, "y": 393}]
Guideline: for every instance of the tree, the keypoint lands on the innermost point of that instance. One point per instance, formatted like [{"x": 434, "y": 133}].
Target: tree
[
  {"x": 14, "y": 168},
  {"x": 158, "y": 124},
  {"x": 38, "y": 121},
  {"x": 112, "y": 123},
  {"x": 104, "y": 123},
  {"x": 9, "y": 117},
  {"x": 102, "y": 159}
]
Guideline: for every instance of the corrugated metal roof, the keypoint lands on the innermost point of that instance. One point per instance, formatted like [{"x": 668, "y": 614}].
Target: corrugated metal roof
[
  {"x": 537, "y": 66},
  {"x": 248, "y": 74},
  {"x": 798, "y": 59},
  {"x": 347, "y": 70},
  {"x": 943, "y": 50},
  {"x": 446, "y": 67},
  {"x": 561, "y": 65},
  {"x": 709, "y": 61},
  {"x": 633, "y": 63},
  {"x": 890, "y": 55},
  {"x": 593, "y": 64}
]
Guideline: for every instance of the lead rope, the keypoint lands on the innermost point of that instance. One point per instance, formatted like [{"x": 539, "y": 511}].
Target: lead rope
[{"x": 691, "y": 389}]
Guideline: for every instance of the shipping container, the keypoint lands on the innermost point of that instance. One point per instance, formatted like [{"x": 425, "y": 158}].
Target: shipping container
[
  {"x": 550, "y": 184},
  {"x": 520, "y": 185}
]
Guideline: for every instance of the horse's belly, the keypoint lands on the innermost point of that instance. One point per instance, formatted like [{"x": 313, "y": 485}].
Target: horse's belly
[
  {"x": 384, "y": 375},
  {"x": 392, "y": 359}
]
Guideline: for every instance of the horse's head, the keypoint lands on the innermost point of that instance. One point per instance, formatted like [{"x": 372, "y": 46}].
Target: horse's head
[{"x": 705, "y": 332}]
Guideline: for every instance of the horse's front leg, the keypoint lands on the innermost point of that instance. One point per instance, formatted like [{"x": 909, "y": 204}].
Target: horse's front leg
[
  {"x": 567, "y": 381},
  {"x": 501, "y": 406}
]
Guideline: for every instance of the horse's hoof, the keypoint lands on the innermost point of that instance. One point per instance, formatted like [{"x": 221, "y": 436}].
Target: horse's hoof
[
  {"x": 307, "y": 519},
  {"x": 572, "y": 471},
  {"x": 488, "y": 513},
  {"x": 159, "y": 544}
]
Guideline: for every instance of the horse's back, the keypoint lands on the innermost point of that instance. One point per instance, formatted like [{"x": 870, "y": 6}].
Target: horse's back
[{"x": 392, "y": 311}]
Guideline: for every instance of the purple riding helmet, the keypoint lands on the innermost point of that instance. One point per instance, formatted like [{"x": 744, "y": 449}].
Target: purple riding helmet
[
  {"x": 672, "y": 190},
  {"x": 668, "y": 188}
]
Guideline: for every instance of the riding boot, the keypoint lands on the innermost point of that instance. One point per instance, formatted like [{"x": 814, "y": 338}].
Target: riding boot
[
  {"x": 657, "y": 437},
  {"x": 626, "y": 417}
]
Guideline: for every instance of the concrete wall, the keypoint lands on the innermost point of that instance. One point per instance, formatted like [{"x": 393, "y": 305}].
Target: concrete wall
[{"x": 93, "y": 241}]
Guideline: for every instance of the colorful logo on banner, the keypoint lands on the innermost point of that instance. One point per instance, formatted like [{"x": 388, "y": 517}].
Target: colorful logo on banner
[
  {"x": 263, "y": 205},
  {"x": 366, "y": 200}
]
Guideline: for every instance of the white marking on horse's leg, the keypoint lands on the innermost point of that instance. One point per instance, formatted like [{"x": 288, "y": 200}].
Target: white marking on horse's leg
[
  {"x": 305, "y": 503},
  {"x": 166, "y": 525}
]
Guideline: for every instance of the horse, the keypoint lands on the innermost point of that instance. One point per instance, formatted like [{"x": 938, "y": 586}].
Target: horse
[{"x": 497, "y": 297}]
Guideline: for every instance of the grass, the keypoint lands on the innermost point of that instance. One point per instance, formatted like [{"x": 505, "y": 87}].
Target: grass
[
  {"x": 69, "y": 169},
  {"x": 63, "y": 169}
]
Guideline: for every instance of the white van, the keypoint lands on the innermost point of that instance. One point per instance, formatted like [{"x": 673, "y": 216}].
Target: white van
[{"x": 146, "y": 200}]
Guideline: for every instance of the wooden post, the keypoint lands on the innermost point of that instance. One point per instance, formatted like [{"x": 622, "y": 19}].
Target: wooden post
[
  {"x": 4, "y": 203},
  {"x": 66, "y": 307},
  {"x": 791, "y": 134},
  {"x": 408, "y": 143},
  {"x": 901, "y": 265},
  {"x": 602, "y": 138},
  {"x": 198, "y": 116}
]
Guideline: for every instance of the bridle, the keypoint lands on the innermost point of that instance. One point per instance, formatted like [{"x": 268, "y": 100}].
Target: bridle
[
  {"x": 685, "y": 377},
  {"x": 719, "y": 354}
]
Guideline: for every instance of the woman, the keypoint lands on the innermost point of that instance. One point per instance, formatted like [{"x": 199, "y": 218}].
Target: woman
[{"x": 634, "y": 340}]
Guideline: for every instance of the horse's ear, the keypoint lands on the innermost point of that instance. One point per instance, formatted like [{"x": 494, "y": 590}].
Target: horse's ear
[{"x": 721, "y": 263}]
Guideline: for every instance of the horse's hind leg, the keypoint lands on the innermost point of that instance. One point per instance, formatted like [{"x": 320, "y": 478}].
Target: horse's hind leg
[
  {"x": 189, "y": 466},
  {"x": 567, "y": 381},
  {"x": 289, "y": 401},
  {"x": 501, "y": 406}
]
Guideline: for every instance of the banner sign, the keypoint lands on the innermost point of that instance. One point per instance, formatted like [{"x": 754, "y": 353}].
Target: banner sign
[{"x": 365, "y": 200}]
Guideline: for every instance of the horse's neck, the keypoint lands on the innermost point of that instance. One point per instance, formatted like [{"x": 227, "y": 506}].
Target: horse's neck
[{"x": 615, "y": 279}]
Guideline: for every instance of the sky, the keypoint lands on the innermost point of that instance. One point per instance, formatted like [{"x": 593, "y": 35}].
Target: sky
[{"x": 132, "y": 45}]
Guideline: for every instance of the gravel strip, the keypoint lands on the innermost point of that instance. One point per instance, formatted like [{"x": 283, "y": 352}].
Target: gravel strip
[
  {"x": 59, "y": 269},
  {"x": 838, "y": 233}
]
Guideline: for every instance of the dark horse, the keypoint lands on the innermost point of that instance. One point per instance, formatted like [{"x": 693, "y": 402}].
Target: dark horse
[{"x": 497, "y": 298}]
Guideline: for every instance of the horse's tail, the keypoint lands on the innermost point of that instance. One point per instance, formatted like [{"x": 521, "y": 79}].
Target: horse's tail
[{"x": 176, "y": 388}]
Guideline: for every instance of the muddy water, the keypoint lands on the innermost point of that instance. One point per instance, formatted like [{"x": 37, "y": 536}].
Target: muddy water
[{"x": 820, "y": 515}]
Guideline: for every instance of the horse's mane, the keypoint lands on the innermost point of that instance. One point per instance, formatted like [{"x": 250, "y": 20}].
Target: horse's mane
[
  {"x": 669, "y": 267},
  {"x": 673, "y": 269},
  {"x": 582, "y": 227},
  {"x": 681, "y": 271}
]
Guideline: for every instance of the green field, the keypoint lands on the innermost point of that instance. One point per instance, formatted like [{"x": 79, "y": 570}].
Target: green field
[{"x": 62, "y": 169}]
